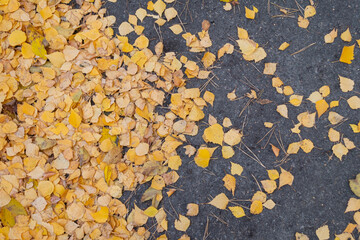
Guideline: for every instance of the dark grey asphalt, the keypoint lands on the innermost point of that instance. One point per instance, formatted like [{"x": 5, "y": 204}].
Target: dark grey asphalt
[{"x": 320, "y": 191}]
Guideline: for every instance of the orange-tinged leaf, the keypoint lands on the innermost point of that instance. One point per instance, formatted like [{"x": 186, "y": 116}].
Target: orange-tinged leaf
[
  {"x": 321, "y": 107},
  {"x": 309, "y": 11},
  {"x": 347, "y": 54},
  {"x": 230, "y": 183}
]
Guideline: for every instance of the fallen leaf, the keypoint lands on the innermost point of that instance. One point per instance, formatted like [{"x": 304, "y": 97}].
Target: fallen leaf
[
  {"x": 237, "y": 211},
  {"x": 334, "y": 136},
  {"x": 236, "y": 169},
  {"x": 354, "y": 102},
  {"x": 220, "y": 201},
  {"x": 282, "y": 110},
  {"x": 330, "y": 37},
  {"x": 303, "y": 22},
  {"x": 301, "y": 236},
  {"x": 286, "y": 178},
  {"x": 270, "y": 68},
  {"x": 273, "y": 174},
  {"x": 229, "y": 183},
  {"x": 339, "y": 150},
  {"x": 335, "y": 118},
  {"x": 269, "y": 204},
  {"x": 214, "y": 134},
  {"x": 323, "y": 232},
  {"x": 284, "y": 46},
  {"x": 353, "y": 205},
  {"x": 102, "y": 215},
  {"x": 256, "y": 207},
  {"x": 321, "y": 107},
  {"x": 346, "y": 84},
  {"x": 269, "y": 185},
  {"x": 355, "y": 185},
  {"x": 309, "y": 11},
  {"x": 346, "y": 35},
  {"x": 347, "y": 54},
  {"x": 192, "y": 209}
]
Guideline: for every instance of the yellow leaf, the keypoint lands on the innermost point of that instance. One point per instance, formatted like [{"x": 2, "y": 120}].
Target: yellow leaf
[
  {"x": 355, "y": 128},
  {"x": 250, "y": 14},
  {"x": 102, "y": 215},
  {"x": 237, "y": 211},
  {"x": 269, "y": 185},
  {"x": 107, "y": 173},
  {"x": 353, "y": 205},
  {"x": 38, "y": 47},
  {"x": 182, "y": 224},
  {"x": 346, "y": 84},
  {"x": 56, "y": 58},
  {"x": 26, "y": 50},
  {"x": 230, "y": 183},
  {"x": 158, "y": 182},
  {"x": 333, "y": 135},
  {"x": 323, "y": 232},
  {"x": 347, "y": 54},
  {"x": 125, "y": 28},
  {"x": 330, "y": 37},
  {"x": 269, "y": 204},
  {"x": 209, "y": 97},
  {"x": 220, "y": 201},
  {"x": 17, "y": 37},
  {"x": 321, "y": 107},
  {"x": 293, "y": 148},
  {"x": 259, "y": 196},
  {"x": 339, "y": 150},
  {"x": 159, "y": 7},
  {"x": 151, "y": 211},
  {"x": 307, "y": 119},
  {"x": 193, "y": 209},
  {"x": 334, "y": 104},
  {"x": 106, "y": 145},
  {"x": 176, "y": 29},
  {"x": 196, "y": 114},
  {"x": 236, "y": 169},
  {"x": 202, "y": 157},
  {"x": 282, "y": 110},
  {"x": 47, "y": 116},
  {"x": 174, "y": 162},
  {"x": 273, "y": 174},
  {"x": 335, "y": 118},
  {"x": 325, "y": 91},
  {"x": 242, "y": 33},
  {"x": 306, "y": 145},
  {"x": 286, "y": 178},
  {"x": 170, "y": 13},
  {"x": 214, "y": 134},
  {"x": 227, "y": 152},
  {"x": 346, "y": 36},
  {"x": 303, "y": 22},
  {"x": 208, "y": 59},
  {"x": 284, "y": 46},
  {"x": 309, "y": 11},
  {"x": 354, "y": 102},
  {"x": 7, "y": 218},
  {"x": 45, "y": 188},
  {"x": 355, "y": 185},
  {"x": 296, "y": 100},
  {"x": 74, "y": 119},
  {"x": 141, "y": 42},
  {"x": 256, "y": 207}
]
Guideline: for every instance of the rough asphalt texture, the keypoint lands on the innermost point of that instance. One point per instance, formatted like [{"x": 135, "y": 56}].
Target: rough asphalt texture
[{"x": 320, "y": 190}]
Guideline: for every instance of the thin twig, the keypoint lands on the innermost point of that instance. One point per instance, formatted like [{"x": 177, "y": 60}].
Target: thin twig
[{"x": 303, "y": 49}]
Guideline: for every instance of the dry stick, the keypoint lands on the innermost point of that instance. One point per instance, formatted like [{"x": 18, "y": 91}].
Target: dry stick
[
  {"x": 206, "y": 232},
  {"x": 267, "y": 142},
  {"x": 280, "y": 144},
  {"x": 219, "y": 219},
  {"x": 266, "y": 135},
  {"x": 256, "y": 182},
  {"x": 253, "y": 86},
  {"x": 246, "y": 105},
  {"x": 256, "y": 159},
  {"x": 282, "y": 15},
  {"x": 174, "y": 209},
  {"x": 303, "y": 49}
]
